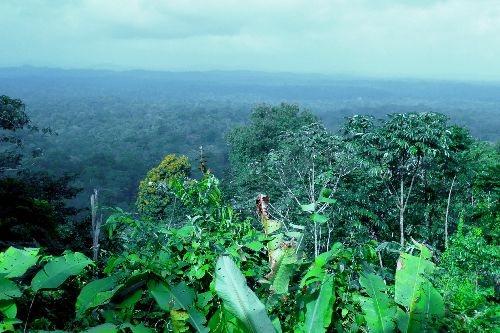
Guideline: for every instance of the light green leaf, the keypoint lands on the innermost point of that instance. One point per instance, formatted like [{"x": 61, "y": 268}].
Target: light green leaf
[
  {"x": 179, "y": 320},
  {"x": 271, "y": 226},
  {"x": 316, "y": 272},
  {"x": 415, "y": 293},
  {"x": 240, "y": 300},
  {"x": 7, "y": 325},
  {"x": 15, "y": 262},
  {"x": 284, "y": 260},
  {"x": 185, "y": 231},
  {"x": 296, "y": 226},
  {"x": 319, "y": 311},
  {"x": 378, "y": 309},
  {"x": 319, "y": 218},
  {"x": 255, "y": 245},
  {"x": 308, "y": 208},
  {"x": 58, "y": 270}
]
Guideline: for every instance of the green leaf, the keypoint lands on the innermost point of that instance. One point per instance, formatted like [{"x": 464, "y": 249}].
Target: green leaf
[
  {"x": 104, "y": 328},
  {"x": 8, "y": 289},
  {"x": 319, "y": 218},
  {"x": 284, "y": 260},
  {"x": 186, "y": 231},
  {"x": 7, "y": 325},
  {"x": 179, "y": 321},
  {"x": 414, "y": 292},
  {"x": 15, "y": 262},
  {"x": 308, "y": 208},
  {"x": 319, "y": 311},
  {"x": 325, "y": 196},
  {"x": 8, "y": 308},
  {"x": 255, "y": 245},
  {"x": 131, "y": 299},
  {"x": 271, "y": 226},
  {"x": 58, "y": 270},
  {"x": 137, "y": 328},
  {"x": 96, "y": 293},
  {"x": 181, "y": 297},
  {"x": 240, "y": 300},
  {"x": 327, "y": 200},
  {"x": 300, "y": 227},
  {"x": 316, "y": 272},
  {"x": 378, "y": 309}
]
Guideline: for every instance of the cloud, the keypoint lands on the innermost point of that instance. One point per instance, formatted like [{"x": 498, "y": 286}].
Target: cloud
[{"x": 390, "y": 38}]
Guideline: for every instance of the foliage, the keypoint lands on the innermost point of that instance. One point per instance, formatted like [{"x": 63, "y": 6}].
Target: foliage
[
  {"x": 34, "y": 211},
  {"x": 318, "y": 255},
  {"x": 469, "y": 280},
  {"x": 249, "y": 145},
  {"x": 420, "y": 304},
  {"x": 239, "y": 300},
  {"x": 15, "y": 263},
  {"x": 155, "y": 199}
]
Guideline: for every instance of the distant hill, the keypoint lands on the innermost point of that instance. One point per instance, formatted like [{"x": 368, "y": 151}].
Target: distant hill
[{"x": 246, "y": 85}]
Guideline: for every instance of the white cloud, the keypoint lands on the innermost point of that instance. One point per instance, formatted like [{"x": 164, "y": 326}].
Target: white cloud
[{"x": 412, "y": 38}]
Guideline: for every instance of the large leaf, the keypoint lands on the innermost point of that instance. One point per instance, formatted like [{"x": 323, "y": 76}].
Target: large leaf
[
  {"x": 414, "y": 292},
  {"x": 378, "y": 309},
  {"x": 224, "y": 322},
  {"x": 8, "y": 289},
  {"x": 316, "y": 272},
  {"x": 180, "y": 297},
  {"x": 429, "y": 307},
  {"x": 410, "y": 276},
  {"x": 319, "y": 311},
  {"x": 96, "y": 293},
  {"x": 240, "y": 300},
  {"x": 58, "y": 270},
  {"x": 284, "y": 266},
  {"x": 8, "y": 308},
  {"x": 15, "y": 262}
]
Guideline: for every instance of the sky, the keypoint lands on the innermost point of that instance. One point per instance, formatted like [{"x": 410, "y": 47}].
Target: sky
[{"x": 454, "y": 39}]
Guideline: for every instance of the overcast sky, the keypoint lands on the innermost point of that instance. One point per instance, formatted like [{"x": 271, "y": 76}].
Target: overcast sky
[{"x": 412, "y": 38}]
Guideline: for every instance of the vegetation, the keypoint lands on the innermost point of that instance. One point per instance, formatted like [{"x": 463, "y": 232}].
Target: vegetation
[{"x": 389, "y": 226}]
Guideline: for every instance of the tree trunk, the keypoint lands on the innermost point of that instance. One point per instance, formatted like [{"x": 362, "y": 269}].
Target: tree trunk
[
  {"x": 447, "y": 214},
  {"x": 401, "y": 214}
]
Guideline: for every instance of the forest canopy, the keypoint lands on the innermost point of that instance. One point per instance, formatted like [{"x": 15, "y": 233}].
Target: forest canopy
[{"x": 389, "y": 225}]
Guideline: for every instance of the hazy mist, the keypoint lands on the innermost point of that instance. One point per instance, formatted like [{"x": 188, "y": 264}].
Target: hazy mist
[{"x": 422, "y": 39}]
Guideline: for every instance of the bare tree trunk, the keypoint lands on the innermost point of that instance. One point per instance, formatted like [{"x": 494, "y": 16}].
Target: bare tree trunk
[
  {"x": 96, "y": 225},
  {"x": 401, "y": 214},
  {"x": 447, "y": 213}
]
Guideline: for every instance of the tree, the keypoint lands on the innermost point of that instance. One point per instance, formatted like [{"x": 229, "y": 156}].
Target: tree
[
  {"x": 155, "y": 199},
  {"x": 34, "y": 211},
  {"x": 250, "y": 144},
  {"x": 12, "y": 117},
  {"x": 400, "y": 148}
]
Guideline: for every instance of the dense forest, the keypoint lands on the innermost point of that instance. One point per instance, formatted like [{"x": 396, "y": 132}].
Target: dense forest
[{"x": 247, "y": 202}]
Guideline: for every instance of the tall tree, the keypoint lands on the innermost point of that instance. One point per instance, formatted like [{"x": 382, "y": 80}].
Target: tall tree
[
  {"x": 250, "y": 144},
  {"x": 400, "y": 148}
]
